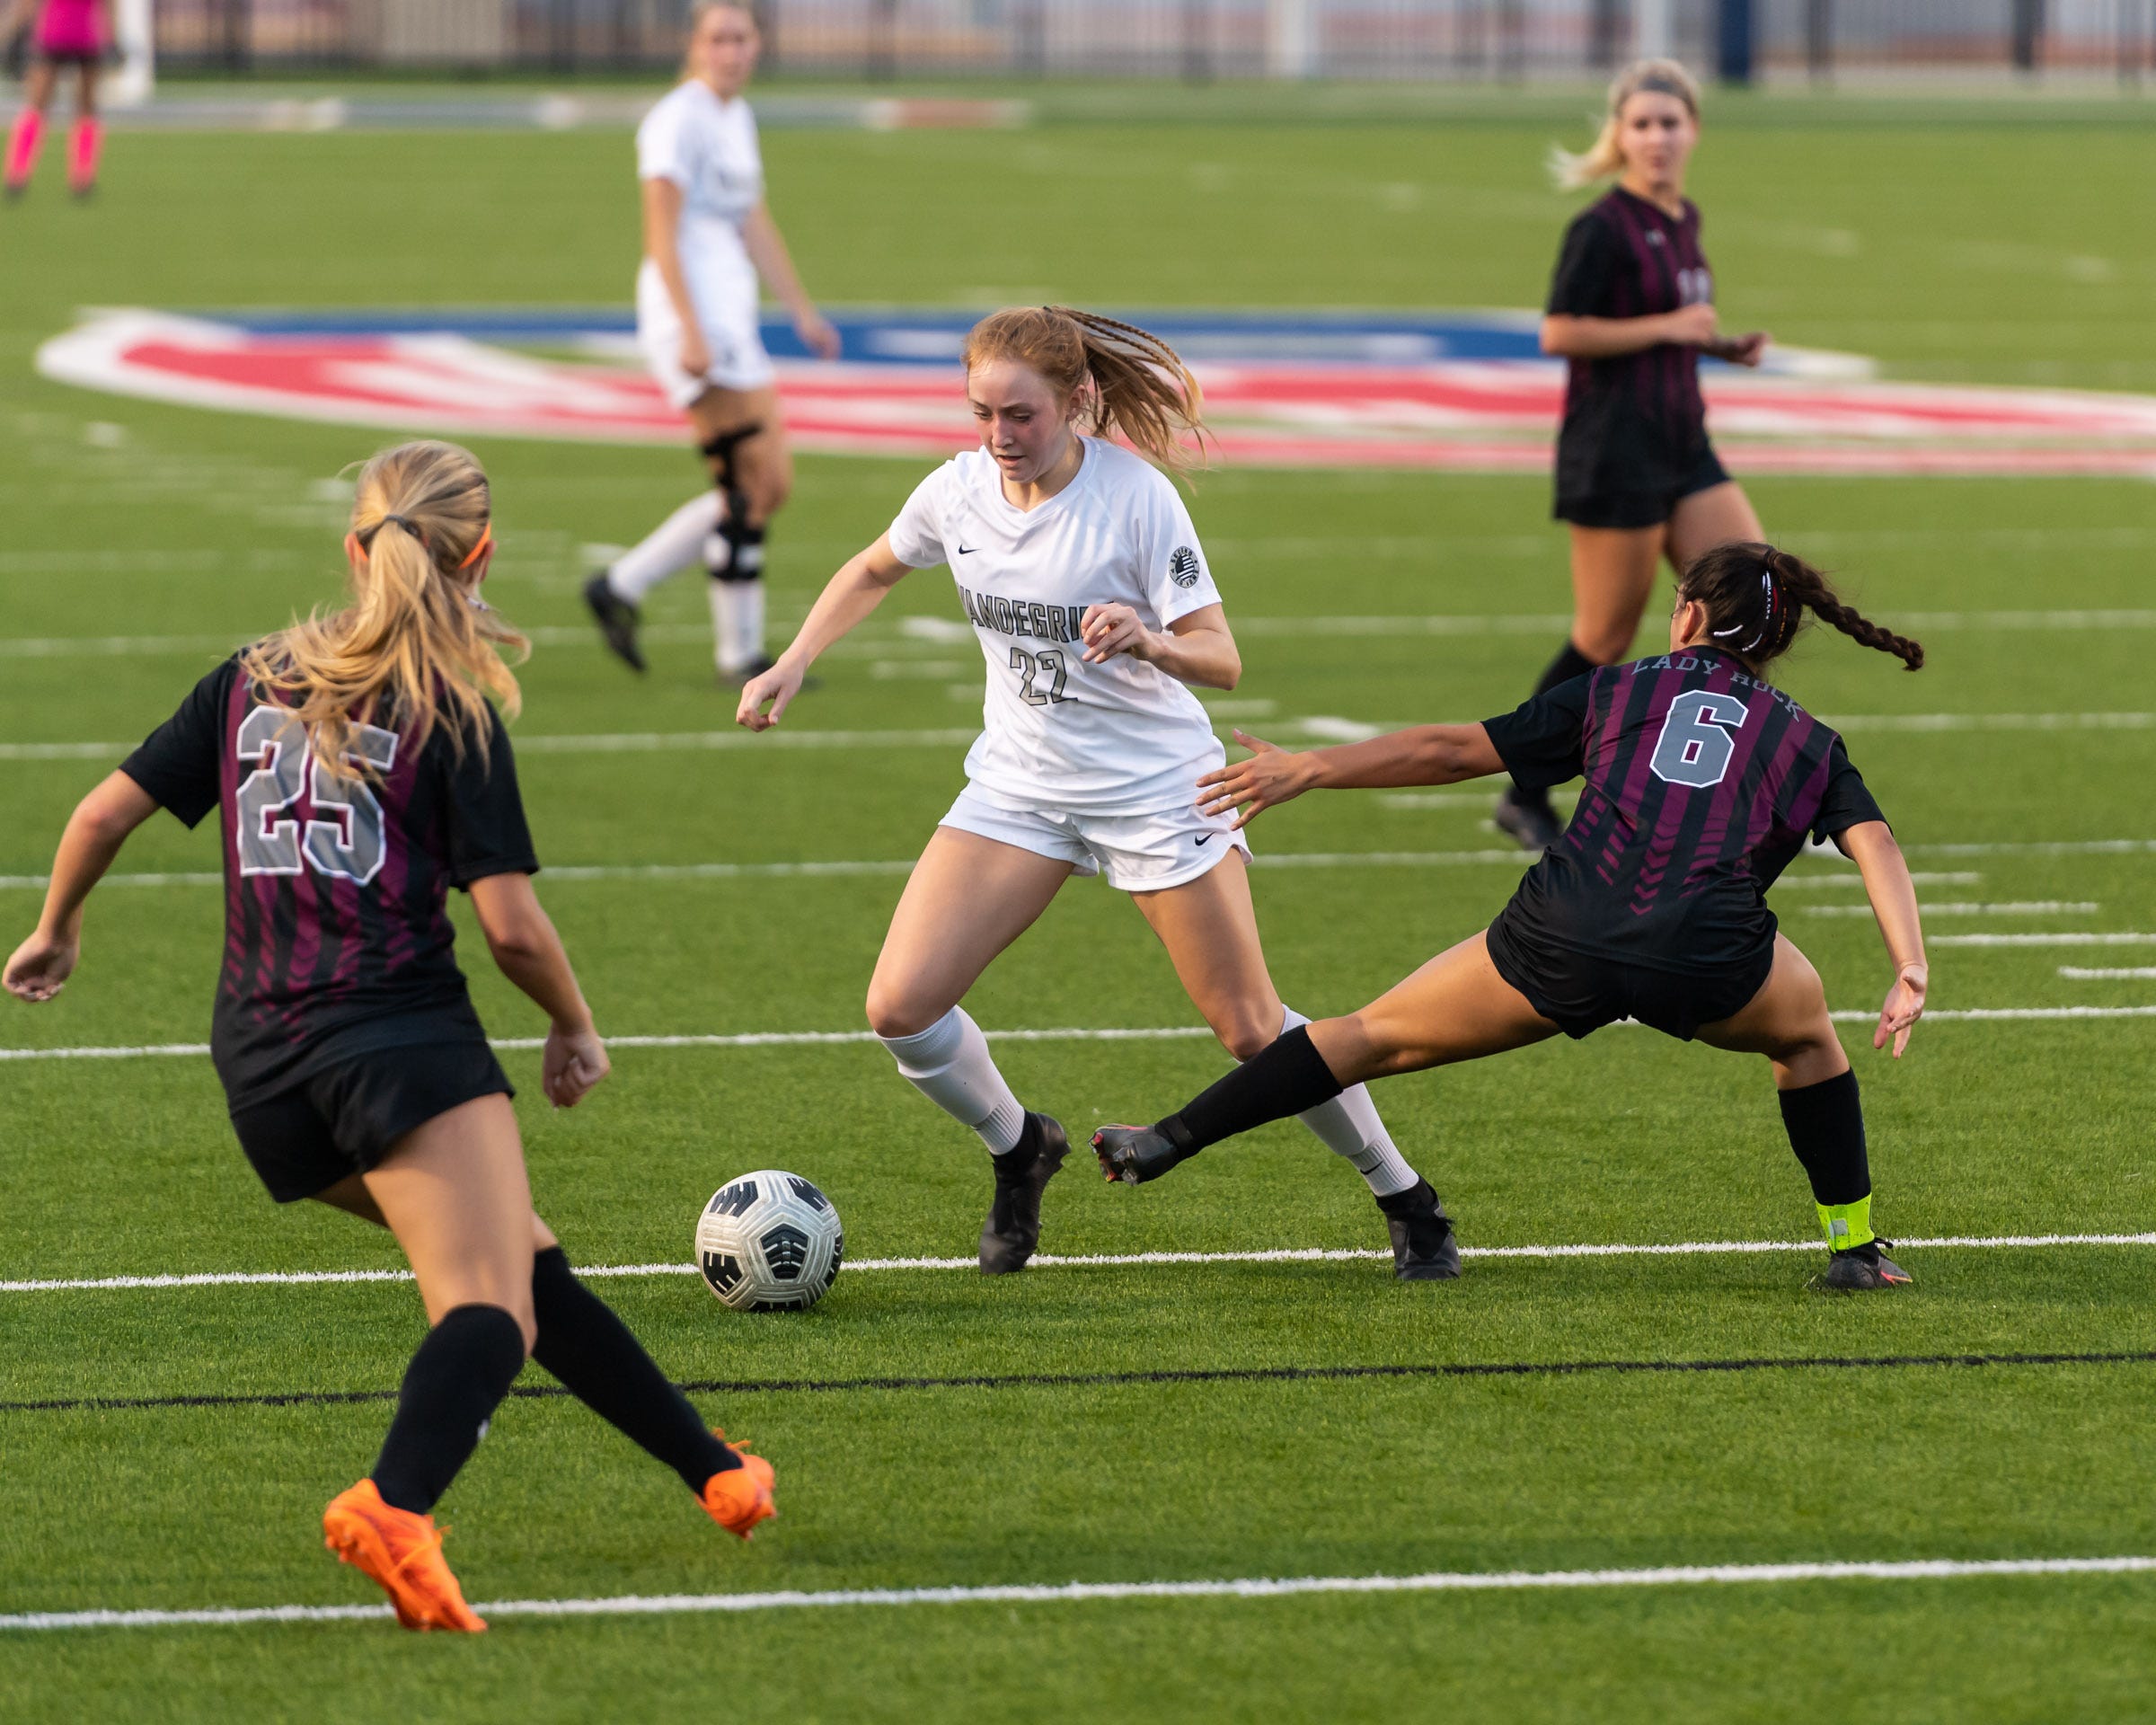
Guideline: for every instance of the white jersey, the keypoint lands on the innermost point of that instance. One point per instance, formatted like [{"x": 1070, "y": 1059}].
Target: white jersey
[
  {"x": 707, "y": 147},
  {"x": 1123, "y": 737}
]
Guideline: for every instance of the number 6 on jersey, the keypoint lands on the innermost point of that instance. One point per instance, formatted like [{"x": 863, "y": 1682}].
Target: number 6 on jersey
[{"x": 1693, "y": 748}]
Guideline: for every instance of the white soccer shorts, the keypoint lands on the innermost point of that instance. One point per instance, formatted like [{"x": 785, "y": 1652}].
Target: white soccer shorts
[
  {"x": 1147, "y": 853},
  {"x": 731, "y": 330}
]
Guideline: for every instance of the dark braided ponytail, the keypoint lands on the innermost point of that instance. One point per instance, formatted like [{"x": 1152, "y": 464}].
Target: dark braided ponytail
[{"x": 1756, "y": 596}]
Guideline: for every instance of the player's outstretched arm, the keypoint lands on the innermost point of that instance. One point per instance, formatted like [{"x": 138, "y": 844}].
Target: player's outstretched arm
[
  {"x": 1893, "y": 895},
  {"x": 766, "y": 249},
  {"x": 98, "y": 826},
  {"x": 521, "y": 936},
  {"x": 857, "y": 589},
  {"x": 1422, "y": 755}
]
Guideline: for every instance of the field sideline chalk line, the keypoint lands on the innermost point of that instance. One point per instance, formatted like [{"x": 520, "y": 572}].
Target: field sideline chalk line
[
  {"x": 1155, "y": 1034},
  {"x": 1102, "y": 1259},
  {"x": 1277, "y": 859},
  {"x": 1111, "y": 1380},
  {"x": 666, "y": 1605}
]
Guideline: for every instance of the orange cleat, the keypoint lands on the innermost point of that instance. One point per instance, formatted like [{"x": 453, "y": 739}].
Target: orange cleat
[
  {"x": 402, "y": 1554},
  {"x": 740, "y": 1497}
]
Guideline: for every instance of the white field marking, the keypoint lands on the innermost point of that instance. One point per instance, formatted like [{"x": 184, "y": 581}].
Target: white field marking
[
  {"x": 1154, "y": 1033},
  {"x": 1957, "y": 722},
  {"x": 1473, "y": 623},
  {"x": 2109, "y": 938},
  {"x": 886, "y": 670},
  {"x": 1850, "y": 877},
  {"x": 2040, "y": 847},
  {"x": 1103, "y": 1260},
  {"x": 2003, "y": 907},
  {"x": 670, "y": 1605},
  {"x": 2135, "y": 973}
]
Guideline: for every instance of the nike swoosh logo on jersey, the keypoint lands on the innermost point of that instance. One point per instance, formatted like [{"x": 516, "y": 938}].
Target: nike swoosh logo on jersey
[
  {"x": 1204, "y": 838},
  {"x": 968, "y": 551}
]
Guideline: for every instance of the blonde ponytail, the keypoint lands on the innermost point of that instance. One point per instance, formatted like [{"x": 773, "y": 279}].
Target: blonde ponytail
[
  {"x": 1604, "y": 158},
  {"x": 414, "y": 647},
  {"x": 1133, "y": 384}
]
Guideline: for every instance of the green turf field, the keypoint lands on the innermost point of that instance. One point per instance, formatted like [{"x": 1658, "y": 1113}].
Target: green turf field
[{"x": 1953, "y": 250}]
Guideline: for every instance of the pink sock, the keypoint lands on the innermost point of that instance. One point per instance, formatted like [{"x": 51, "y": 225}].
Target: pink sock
[
  {"x": 22, "y": 144},
  {"x": 84, "y": 143}
]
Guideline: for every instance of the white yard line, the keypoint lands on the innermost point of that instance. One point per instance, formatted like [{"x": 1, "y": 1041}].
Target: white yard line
[
  {"x": 2135, "y": 973},
  {"x": 1097, "y": 1260},
  {"x": 1151, "y": 1033},
  {"x": 2003, "y": 907},
  {"x": 1046, "y": 1593},
  {"x": 2111, "y": 938}
]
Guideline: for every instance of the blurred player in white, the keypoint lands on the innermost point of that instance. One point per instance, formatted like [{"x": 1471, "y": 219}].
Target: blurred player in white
[
  {"x": 1078, "y": 567},
  {"x": 710, "y": 246}
]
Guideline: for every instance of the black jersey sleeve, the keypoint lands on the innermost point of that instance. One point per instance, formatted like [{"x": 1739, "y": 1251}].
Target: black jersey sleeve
[
  {"x": 180, "y": 761},
  {"x": 1580, "y": 287},
  {"x": 1542, "y": 741},
  {"x": 484, "y": 809},
  {"x": 1847, "y": 800}
]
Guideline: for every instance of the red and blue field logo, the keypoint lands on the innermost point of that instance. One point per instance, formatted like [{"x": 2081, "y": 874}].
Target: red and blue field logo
[{"x": 1464, "y": 392}]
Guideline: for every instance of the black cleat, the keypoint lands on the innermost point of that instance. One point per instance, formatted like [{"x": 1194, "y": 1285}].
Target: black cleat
[
  {"x": 1134, "y": 1154},
  {"x": 1859, "y": 1269},
  {"x": 1013, "y": 1229},
  {"x": 1423, "y": 1247},
  {"x": 1533, "y": 824},
  {"x": 617, "y": 620}
]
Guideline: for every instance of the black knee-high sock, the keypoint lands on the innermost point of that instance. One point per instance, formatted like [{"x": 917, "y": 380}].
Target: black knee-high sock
[
  {"x": 1825, "y": 1123},
  {"x": 603, "y": 1366},
  {"x": 1289, "y": 1077},
  {"x": 452, "y": 1387},
  {"x": 1568, "y": 664}
]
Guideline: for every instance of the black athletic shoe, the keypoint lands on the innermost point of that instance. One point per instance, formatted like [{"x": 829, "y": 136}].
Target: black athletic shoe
[
  {"x": 1013, "y": 1229},
  {"x": 1423, "y": 1247},
  {"x": 1533, "y": 824},
  {"x": 1859, "y": 1269},
  {"x": 617, "y": 620},
  {"x": 1134, "y": 1154}
]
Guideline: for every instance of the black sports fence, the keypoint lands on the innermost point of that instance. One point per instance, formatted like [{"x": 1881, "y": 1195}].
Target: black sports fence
[{"x": 1193, "y": 40}]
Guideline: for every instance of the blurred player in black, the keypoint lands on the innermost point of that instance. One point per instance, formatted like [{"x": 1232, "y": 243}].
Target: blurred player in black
[
  {"x": 1701, "y": 782},
  {"x": 361, "y": 772},
  {"x": 1631, "y": 307}
]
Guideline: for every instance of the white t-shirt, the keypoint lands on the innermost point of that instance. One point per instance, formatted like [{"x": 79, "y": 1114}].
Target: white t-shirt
[
  {"x": 1123, "y": 737},
  {"x": 707, "y": 147}
]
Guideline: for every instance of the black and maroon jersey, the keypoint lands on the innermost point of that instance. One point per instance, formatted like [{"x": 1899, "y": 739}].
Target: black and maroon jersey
[
  {"x": 1634, "y": 423},
  {"x": 1701, "y": 783},
  {"x": 337, "y": 937}
]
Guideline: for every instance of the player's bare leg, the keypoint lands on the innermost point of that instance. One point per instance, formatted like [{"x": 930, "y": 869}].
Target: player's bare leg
[
  {"x": 1716, "y": 516},
  {"x": 967, "y": 900},
  {"x": 1210, "y": 930},
  {"x": 1612, "y": 579},
  {"x": 1788, "y": 1022}
]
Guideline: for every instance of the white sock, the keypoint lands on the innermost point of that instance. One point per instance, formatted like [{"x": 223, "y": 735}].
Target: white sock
[
  {"x": 737, "y": 622},
  {"x": 949, "y": 1064},
  {"x": 673, "y": 544},
  {"x": 1350, "y": 1127}
]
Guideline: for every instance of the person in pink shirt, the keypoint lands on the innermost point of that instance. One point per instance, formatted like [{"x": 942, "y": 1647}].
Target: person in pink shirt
[{"x": 63, "y": 32}]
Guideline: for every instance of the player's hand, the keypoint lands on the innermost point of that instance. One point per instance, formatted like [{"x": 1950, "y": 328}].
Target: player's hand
[
  {"x": 1692, "y": 326},
  {"x": 778, "y": 685},
  {"x": 696, "y": 353},
  {"x": 573, "y": 1062},
  {"x": 1905, "y": 1005},
  {"x": 1107, "y": 630},
  {"x": 1272, "y": 775},
  {"x": 817, "y": 333},
  {"x": 41, "y": 968},
  {"x": 1746, "y": 349}
]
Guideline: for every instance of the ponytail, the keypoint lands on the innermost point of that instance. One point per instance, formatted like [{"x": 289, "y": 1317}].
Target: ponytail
[
  {"x": 415, "y": 645},
  {"x": 1134, "y": 385},
  {"x": 1604, "y": 158},
  {"x": 1756, "y": 596}
]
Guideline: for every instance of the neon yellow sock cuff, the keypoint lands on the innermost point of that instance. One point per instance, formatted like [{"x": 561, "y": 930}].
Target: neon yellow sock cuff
[{"x": 1847, "y": 1224}]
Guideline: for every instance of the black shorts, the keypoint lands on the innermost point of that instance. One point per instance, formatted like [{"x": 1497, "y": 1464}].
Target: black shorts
[
  {"x": 1581, "y": 991},
  {"x": 1641, "y": 509},
  {"x": 343, "y": 1119}
]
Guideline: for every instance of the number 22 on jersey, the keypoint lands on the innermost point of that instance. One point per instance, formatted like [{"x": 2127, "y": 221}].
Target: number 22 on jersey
[
  {"x": 348, "y": 846},
  {"x": 1693, "y": 748}
]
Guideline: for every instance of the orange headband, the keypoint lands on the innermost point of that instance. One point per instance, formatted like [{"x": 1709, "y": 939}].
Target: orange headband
[{"x": 485, "y": 539}]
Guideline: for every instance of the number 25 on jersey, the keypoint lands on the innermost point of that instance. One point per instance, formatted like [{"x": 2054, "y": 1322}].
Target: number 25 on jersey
[
  {"x": 1693, "y": 748},
  {"x": 343, "y": 837}
]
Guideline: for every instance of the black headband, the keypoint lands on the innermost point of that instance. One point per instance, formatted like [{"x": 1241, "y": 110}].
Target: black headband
[{"x": 366, "y": 539}]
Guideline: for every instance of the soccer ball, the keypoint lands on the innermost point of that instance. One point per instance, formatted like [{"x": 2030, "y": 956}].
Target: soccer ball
[{"x": 769, "y": 1242}]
